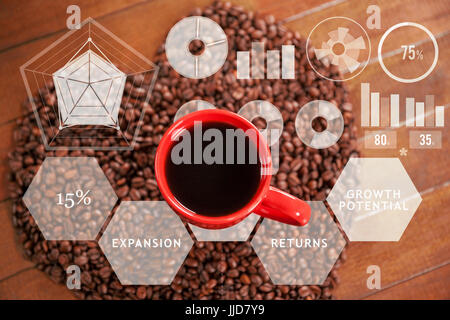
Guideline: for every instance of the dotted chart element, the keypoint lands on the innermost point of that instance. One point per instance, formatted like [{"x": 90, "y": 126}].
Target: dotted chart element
[
  {"x": 70, "y": 198},
  {"x": 299, "y": 255},
  {"x": 215, "y": 47},
  {"x": 313, "y": 110},
  {"x": 145, "y": 243},
  {"x": 374, "y": 199}
]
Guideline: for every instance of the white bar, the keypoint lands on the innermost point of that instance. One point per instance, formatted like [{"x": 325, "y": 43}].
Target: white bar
[
  {"x": 374, "y": 109},
  {"x": 420, "y": 114},
  {"x": 429, "y": 111},
  {"x": 273, "y": 64},
  {"x": 258, "y": 60},
  {"x": 365, "y": 104},
  {"x": 439, "y": 111},
  {"x": 409, "y": 112},
  {"x": 395, "y": 110},
  {"x": 243, "y": 65},
  {"x": 288, "y": 61}
]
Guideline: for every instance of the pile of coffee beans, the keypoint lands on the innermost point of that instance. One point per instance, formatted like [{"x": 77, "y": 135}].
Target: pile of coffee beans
[{"x": 228, "y": 270}]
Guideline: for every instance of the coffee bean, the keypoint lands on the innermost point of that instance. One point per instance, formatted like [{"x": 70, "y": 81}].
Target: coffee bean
[
  {"x": 191, "y": 262},
  {"x": 267, "y": 287},
  {"x": 256, "y": 279},
  {"x": 81, "y": 260},
  {"x": 233, "y": 273},
  {"x": 221, "y": 266},
  {"x": 123, "y": 191},
  {"x": 245, "y": 279},
  {"x": 105, "y": 272},
  {"x": 327, "y": 175},
  {"x": 211, "y": 283}
]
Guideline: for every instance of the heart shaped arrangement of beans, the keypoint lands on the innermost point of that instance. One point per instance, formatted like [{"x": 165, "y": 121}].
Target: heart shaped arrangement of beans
[{"x": 212, "y": 270}]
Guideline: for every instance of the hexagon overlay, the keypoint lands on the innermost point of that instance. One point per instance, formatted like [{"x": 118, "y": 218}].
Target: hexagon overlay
[
  {"x": 145, "y": 243},
  {"x": 374, "y": 199},
  {"x": 60, "y": 209},
  {"x": 238, "y": 232},
  {"x": 299, "y": 255}
]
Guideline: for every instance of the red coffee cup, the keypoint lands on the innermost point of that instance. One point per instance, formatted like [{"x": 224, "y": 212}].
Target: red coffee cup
[{"x": 268, "y": 202}]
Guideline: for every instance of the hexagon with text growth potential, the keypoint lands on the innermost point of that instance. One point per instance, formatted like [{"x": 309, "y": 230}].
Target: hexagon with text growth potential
[
  {"x": 145, "y": 243},
  {"x": 374, "y": 199},
  {"x": 295, "y": 255},
  {"x": 70, "y": 198}
]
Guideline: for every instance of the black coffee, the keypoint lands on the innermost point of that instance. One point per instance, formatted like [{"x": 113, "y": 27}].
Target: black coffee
[{"x": 213, "y": 172}]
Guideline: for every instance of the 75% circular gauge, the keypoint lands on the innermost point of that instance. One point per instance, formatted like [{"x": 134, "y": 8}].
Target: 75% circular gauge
[{"x": 70, "y": 199}]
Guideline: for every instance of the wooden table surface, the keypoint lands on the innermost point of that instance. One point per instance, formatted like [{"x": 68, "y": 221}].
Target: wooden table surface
[{"x": 416, "y": 267}]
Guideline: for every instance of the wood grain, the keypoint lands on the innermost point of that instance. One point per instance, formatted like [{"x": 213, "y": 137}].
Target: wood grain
[
  {"x": 6, "y": 132},
  {"x": 147, "y": 46},
  {"x": 281, "y": 9},
  {"x": 436, "y": 83},
  {"x": 425, "y": 174},
  {"x": 33, "y": 284},
  {"x": 424, "y": 244},
  {"x": 405, "y": 265},
  {"x": 431, "y": 285},
  {"x": 40, "y": 18},
  {"x": 143, "y": 33},
  {"x": 12, "y": 257},
  {"x": 433, "y": 14}
]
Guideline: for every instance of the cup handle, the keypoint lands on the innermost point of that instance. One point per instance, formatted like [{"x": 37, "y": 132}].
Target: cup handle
[{"x": 284, "y": 207}]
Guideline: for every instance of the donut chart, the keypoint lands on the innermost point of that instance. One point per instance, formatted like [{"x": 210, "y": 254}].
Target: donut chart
[
  {"x": 313, "y": 110},
  {"x": 215, "y": 47},
  {"x": 270, "y": 113}
]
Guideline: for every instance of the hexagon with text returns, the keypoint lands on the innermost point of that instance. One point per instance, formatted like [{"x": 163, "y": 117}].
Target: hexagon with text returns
[
  {"x": 145, "y": 243},
  {"x": 70, "y": 198},
  {"x": 299, "y": 255},
  {"x": 374, "y": 199}
]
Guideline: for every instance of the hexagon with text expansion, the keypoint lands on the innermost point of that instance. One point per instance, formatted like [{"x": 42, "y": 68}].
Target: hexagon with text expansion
[{"x": 145, "y": 243}]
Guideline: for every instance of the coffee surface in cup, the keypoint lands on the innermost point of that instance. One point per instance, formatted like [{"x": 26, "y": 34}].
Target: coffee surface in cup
[{"x": 213, "y": 172}]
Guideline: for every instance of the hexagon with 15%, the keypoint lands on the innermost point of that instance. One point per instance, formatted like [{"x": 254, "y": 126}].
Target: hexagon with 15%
[{"x": 70, "y": 198}]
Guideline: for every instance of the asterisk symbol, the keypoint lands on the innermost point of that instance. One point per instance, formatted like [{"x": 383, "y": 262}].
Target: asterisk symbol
[{"x": 403, "y": 152}]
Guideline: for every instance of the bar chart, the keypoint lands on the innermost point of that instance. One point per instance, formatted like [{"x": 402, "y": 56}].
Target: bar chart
[
  {"x": 385, "y": 113},
  {"x": 252, "y": 64},
  {"x": 379, "y": 111}
]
